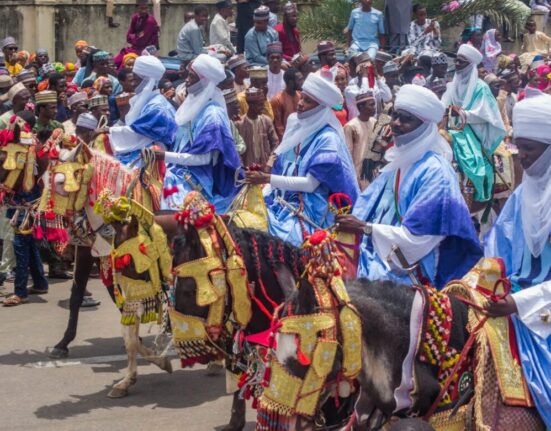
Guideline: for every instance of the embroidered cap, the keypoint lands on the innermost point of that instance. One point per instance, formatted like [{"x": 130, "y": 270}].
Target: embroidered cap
[
  {"x": 261, "y": 13},
  {"x": 390, "y": 67},
  {"x": 253, "y": 94},
  {"x": 258, "y": 72},
  {"x": 45, "y": 97},
  {"x": 236, "y": 61},
  {"x": 87, "y": 120},
  {"x": 80, "y": 96},
  {"x": 274, "y": 48},
  {"x": 230, "y": 95},
  {"x": 123, "y": 99},
  {"x": 96, "y": 101}
]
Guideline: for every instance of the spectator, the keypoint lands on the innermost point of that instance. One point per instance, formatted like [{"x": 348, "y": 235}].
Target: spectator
[
  {"x": 240, "y": 68},
  {"x": 232, "y": 106},
  {"x": 191, "y": 42},
  {"x": 288, "y": 33},
  {"x": 244, "y": 21},
  {"x": 257, "y": 130},
  {"x": 58, "y": 83},
  {"x": 285, "y": 102},
  {"x": 327, "y": 54},
  {"x": 258, "y": 38},
  {"x": 219, "y": 27},
  {"x": 424, "y": 33},
  {"x": 78, "y": 104},
  {"x": 275, "y": 74},
  {"x": 366, "y": 30},
  {"x": 9, "y": 48},
  {"x": 259, "y": 79}
]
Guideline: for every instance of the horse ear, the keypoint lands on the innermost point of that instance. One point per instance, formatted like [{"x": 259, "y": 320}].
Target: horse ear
[{"x": 285, "y": 279}]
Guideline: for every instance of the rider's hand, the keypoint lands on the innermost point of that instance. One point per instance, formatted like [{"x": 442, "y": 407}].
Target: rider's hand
[
  {"x": 349, "y": 223},
  {"x": 159, "y": 154},
  {"x": 503, "y": 307},
  {"x": 257, "y": 177}
]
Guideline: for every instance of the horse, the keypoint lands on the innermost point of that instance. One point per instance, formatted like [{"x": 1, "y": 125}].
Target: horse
[
  {"x": 398, "y": 377},
  {"x": 142, "y": 263},
  {"x": 201, "y": 238},
  {"x": 75, "y": 178}
]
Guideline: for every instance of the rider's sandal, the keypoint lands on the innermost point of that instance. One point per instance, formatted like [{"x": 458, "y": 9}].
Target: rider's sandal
[{"x": 13, "y": 300}]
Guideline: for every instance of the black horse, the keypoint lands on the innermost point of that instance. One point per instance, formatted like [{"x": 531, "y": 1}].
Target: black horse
[
  {"x": 265, "y": 256},
  {"x": 385, "y": 311}
]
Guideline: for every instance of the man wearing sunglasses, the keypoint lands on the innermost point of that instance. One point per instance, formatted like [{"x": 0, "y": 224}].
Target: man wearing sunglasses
[
  {"x": 415, "y": 204},
  {"x": 9, "y": 48}
]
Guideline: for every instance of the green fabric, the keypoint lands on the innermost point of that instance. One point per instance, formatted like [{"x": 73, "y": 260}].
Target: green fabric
[
  {"x": 51, "y": 126},
  {"x": 468, "y": 154},
  {"x": 467, "y": 151}
]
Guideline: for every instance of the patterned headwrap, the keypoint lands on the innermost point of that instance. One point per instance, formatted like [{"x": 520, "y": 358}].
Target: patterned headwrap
[
  {"x": 100, "y": 83},
  {"x": 81, "y": 44},
  {"x": 101, "y": 55},
  {"x": 130, "y": 55}
]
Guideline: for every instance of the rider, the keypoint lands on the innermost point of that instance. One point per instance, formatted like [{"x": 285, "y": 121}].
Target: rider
[
  {"x": 415, "y": 203},
  {"x": 204, "y": 156},
  {"x": 151, "y": 116},
  {"x": 521, "y": 237},
  {"x": 312, "y": 163},
  {"x": 484, "y": 130}
]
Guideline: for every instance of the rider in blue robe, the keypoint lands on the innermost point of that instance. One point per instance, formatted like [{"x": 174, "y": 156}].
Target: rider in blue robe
[
  {"x": 521, "y": 236},
  {"x": 204, "y": 156},
  {"x": 151, "y": 117},
  {"x": 312, "y": 163},
  {"x": 415, "y": 203},
  {"x": 210, "y": 135}
]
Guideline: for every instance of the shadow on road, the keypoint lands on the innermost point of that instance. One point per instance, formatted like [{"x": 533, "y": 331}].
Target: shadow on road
[{"x": 183, "y": 389}]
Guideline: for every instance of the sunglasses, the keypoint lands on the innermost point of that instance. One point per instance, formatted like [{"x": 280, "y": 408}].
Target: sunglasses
[
  {"x": 12, "y": 48},
  {"x": 404, "y": 117}
]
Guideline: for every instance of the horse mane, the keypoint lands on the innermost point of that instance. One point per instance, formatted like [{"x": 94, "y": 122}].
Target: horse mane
[{"x": 100, "y": 156}]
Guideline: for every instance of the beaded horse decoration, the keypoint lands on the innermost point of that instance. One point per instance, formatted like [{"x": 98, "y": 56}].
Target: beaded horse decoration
[
  {"x": 18, "y": 149},
  {"x": 318, "y": 336},
  {"x": 196, "y": 339},
  {"x": 71, "y": 164},
  {"x": 139, "y": 296}
]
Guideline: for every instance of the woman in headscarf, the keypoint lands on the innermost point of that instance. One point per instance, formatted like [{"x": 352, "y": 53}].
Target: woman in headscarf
[
  {"x": 128, "y": 61},
  {"x": 103, "y": 86},
  {"x": 23, "y": 58},
  {"x": 491, "y": 49},
  {"x": 341, "y": 81}
]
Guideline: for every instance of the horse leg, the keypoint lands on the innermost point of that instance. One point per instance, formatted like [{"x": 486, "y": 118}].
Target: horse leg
[
  {"x": 238, "y": 410},
  {"x": 83, "y": 266},
  {"x": 130, "y": 334},
  {"x": 163, "y": 362}
]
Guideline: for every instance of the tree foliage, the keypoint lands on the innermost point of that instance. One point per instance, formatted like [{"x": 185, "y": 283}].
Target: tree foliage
[{"x": 327, "y": 19}]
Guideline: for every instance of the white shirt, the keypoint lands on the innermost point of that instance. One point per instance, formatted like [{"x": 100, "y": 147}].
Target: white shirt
[
  {"x": 276, "y": 84},
  {"x": 220, "y": 33}
]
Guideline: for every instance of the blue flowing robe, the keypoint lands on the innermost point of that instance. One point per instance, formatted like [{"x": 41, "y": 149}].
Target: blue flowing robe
[
  {"x": 324, "y": 156},
  {"x": 506, "y": 240},
  {"x": 209, "y": 132},
  {"x": 430, "y": 203},
  {"x": 156, "y": 122}
]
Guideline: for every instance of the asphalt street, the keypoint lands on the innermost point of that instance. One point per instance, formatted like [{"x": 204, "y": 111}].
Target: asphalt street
[{"x": 37, "y": 393}]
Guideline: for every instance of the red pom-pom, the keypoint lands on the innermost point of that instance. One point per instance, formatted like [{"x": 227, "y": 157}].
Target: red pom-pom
[
  {"x": 318, "y": 237},
  {"x": 337, "y": 272},
  {"x": 122, "y": 261},
  {"x": 143, "y": 250},
  {"x": 49, "y": 215},
  {"x": 169, "y": 191}
]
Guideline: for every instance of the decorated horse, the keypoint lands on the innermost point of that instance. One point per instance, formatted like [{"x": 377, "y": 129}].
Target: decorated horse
[
  {"x": 422, "y": 353},
  {"x": 141, "y": 267},
  {"x": 75, "y": 178},
  {"x": 226, "y": 290}
]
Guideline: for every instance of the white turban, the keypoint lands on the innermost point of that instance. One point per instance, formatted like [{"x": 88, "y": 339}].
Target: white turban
[
  {"x": 210, "y": 72},
  {"x": 322, "y": 91},
  {"x": 470, "y": 53},
  {"x": 151, "y": 70},
  {"x": 411, "y": 147},
  {"x": 421, "y": 102},
  {"x": 208, "y": 68},
  {"x": 532, "y": 120},
  {"x": 148, "y": 66}
]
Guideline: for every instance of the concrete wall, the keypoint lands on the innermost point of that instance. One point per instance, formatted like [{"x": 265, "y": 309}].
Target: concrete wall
[{"x": 57, "y": 24}]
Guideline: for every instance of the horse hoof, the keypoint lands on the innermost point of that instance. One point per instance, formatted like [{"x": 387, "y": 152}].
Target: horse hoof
[
  {"x": 57, "y": 353},
  {"x": 166, "y": 365},
  {"x": 117, "y": 393}
]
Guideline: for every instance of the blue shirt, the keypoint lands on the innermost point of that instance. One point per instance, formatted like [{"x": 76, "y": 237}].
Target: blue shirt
[
  {"x": 366, "y": 28},
  {"x": 256, "y": 44}
]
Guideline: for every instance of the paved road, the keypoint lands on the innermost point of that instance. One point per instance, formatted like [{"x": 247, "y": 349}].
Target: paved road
[{"x": 38, "y": 394}]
